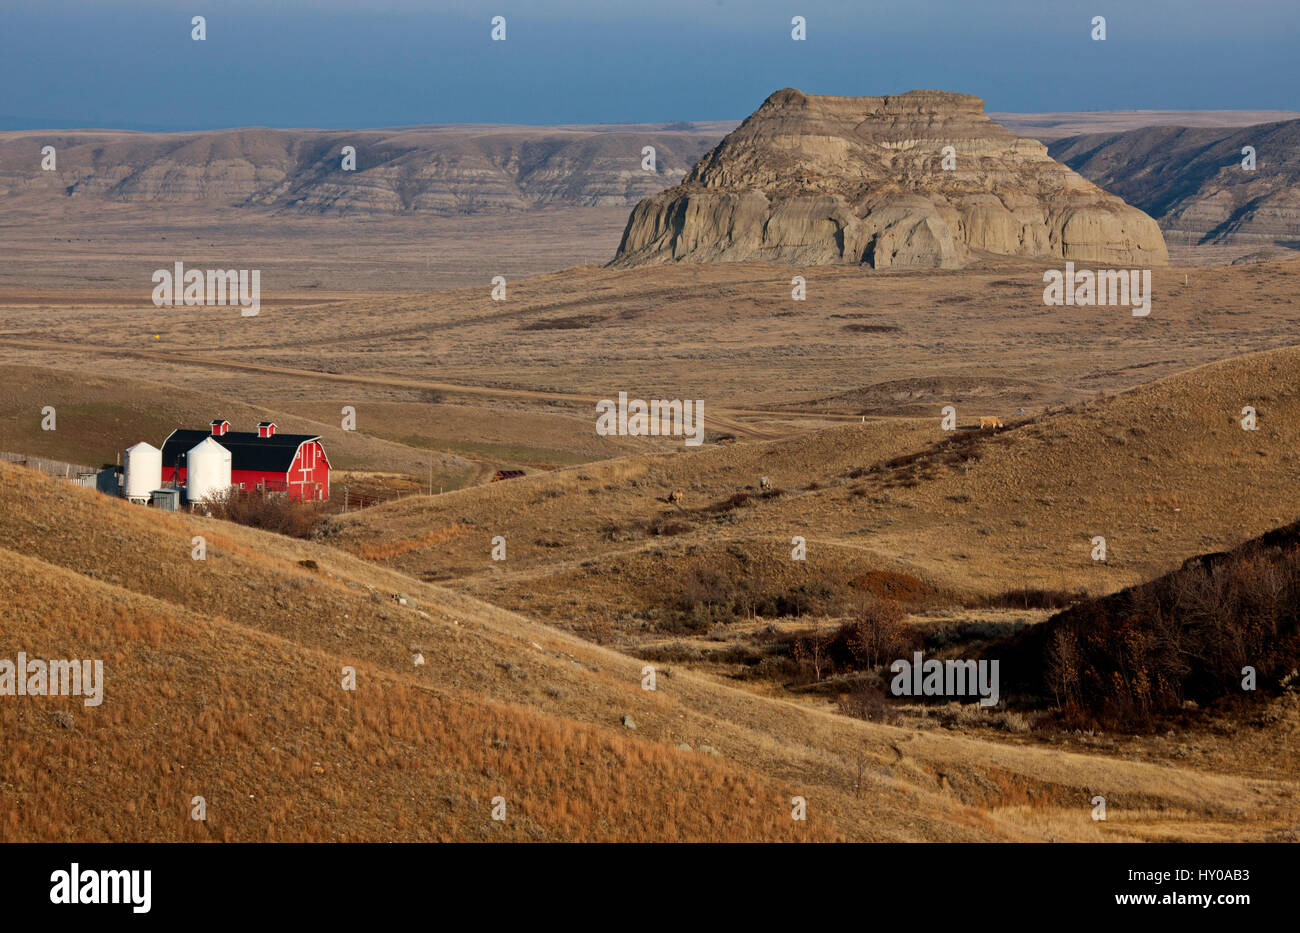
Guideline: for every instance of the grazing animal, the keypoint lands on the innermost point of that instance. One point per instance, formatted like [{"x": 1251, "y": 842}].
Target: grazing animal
[
  {"x": 993, "y": 423},
  {"x": 764, "y": 483},
  {"x": 675, "y": 495}
]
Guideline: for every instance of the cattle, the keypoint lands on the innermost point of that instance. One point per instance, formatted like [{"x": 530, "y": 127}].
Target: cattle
[
  {"x": 675, "y": 495},
  {"x": 764, "y": 483},
  {"x": 993, "y": 423}
]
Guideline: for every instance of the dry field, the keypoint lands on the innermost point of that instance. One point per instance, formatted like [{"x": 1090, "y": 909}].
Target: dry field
[
  {"x": 1163, "y": 472},
  {"x": 250, "y": 714},
  {"x": 58, "y": 250},
  {"x": 223, "y": 675}
]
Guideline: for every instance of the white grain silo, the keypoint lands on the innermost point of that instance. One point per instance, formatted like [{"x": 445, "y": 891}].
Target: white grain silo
[
  {"x": 142, "y": 468},
  {"x": 207, "y": 470}
]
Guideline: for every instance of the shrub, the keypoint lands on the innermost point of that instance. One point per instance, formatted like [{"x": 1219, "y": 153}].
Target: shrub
[
  {"x": 667, "y": 527},
  {"x": 868, "y": 702},
  {"x": 276, "y": 513},
  {"x": 1124, "y": 660},
  {"x": 1029, "y": 598},
  {"x": 879, "y": 635}
]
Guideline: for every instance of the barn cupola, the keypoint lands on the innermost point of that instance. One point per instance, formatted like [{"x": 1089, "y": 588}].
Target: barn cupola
[
  {"x": 266, "y": 429},
  {"x": 220, "y": 426}
]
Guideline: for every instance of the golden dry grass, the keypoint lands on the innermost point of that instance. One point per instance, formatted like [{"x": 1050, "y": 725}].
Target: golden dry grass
[
  {"x": 1161, "y": 470},
  {"x": 230, "y": 669}
]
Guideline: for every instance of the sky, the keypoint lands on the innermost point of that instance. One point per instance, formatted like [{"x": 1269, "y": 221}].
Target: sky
[{"x": 132, "y": 64}]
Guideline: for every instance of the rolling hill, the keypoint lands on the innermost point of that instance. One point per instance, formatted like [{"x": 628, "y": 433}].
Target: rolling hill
[
  {"x": 1163, "y": 471},
  {"x": 222, "y": 680}
]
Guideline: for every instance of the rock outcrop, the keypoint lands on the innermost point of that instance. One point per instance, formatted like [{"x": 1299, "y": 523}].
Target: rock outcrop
[
  {"x": 438, "y": 170},
  {"x": 818, "y": 180},
  {"x": 1193, "y": 182}
]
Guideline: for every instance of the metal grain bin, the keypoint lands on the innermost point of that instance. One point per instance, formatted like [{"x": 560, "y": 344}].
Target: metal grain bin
[
  {"x": 207, "y": 470},
  {"x": 142, "y": 471}
]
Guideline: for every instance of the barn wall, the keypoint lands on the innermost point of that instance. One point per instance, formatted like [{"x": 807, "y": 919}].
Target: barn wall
[
  {"x": 304, "y": 480},
  {"x": 276, "y": 482}
]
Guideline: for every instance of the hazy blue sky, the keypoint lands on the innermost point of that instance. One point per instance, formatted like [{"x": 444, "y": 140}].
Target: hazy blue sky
[{"x": 132, "y": 64}]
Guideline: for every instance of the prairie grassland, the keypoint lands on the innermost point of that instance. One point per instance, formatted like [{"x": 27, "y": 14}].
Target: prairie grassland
[
  {"x": 1162, "y": 472},
  {"x": 261, "y": 729},
  {"x": 879, "y": 344},
  {"x": 1130, "y": 431},
  {"x": 230, "y": 668}
]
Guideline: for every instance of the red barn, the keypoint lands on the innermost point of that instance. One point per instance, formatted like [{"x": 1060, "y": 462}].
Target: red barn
[{"x": 292, "y": 463}]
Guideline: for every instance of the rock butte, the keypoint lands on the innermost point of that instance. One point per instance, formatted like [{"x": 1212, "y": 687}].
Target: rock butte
[{"x": 817, "y": 180}]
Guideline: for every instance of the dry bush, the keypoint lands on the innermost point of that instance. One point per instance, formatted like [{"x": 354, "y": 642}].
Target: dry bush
[
  {"x": 900, "y": 588},
  {"x": 1029, "y": 598},
  {"x": 868, "y": 702},
  {"x": 1125, "y": 660},
  {"x": 879, "y": 634},
  {"x": 709, "y": 596},
  {"x": 276, "y": 513},
  {"x": 664, "y": 527},
  {"x": 876, "y": 636}
]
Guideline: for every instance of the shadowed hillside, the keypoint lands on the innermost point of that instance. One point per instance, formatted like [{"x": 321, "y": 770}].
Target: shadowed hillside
[
  {"x": 1191, "y": 180},
  {"x": 1188, "y": 637},
  {"x": 436, "y": 170}
]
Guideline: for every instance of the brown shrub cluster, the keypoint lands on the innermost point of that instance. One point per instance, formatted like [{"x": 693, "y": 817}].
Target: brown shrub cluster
[
  {"x": 1124, "y": 660},
  {"x": 1029, "y": 598},
  {"x": 711, "y": 595},
  {"x": 276, "y": 513},
  {"x": 876, "y": 636}
]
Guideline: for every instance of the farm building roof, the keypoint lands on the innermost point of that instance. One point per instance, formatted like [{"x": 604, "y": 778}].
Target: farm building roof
[{"x": 248, "y": 451}]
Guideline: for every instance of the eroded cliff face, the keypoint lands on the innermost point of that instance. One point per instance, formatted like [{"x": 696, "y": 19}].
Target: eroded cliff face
[
  {"x": 439, "y": 170},
  {"x": 1193, "y": 180},
  {"x": 816, "y": 180}
]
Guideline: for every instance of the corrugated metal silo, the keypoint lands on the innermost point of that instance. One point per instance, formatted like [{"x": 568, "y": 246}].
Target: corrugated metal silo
[
  {"x": 207, "y": 470},
  {"x": 142, "y": 468}
]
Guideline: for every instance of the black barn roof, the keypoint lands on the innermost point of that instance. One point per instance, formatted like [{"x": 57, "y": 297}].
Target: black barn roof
[{"x": 247, "y": 451}]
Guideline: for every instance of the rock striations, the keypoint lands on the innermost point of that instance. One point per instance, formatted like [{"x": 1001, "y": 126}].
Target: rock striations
[
  {"x": 1193, "y": 182},
  {"x": 439, "y": 170},
  {"x": 811, "y": 179}
]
